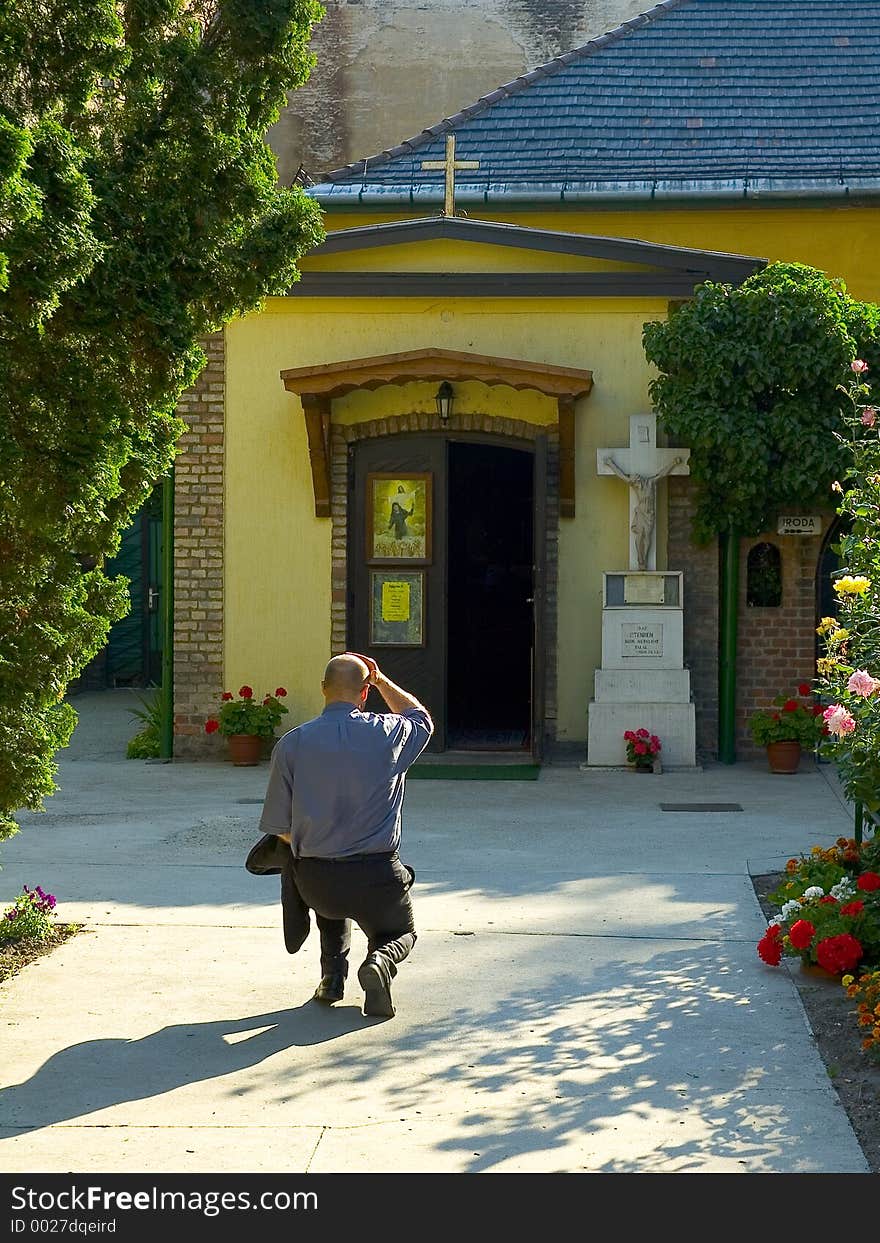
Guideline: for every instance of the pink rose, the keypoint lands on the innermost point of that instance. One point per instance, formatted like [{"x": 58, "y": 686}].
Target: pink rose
[
  {"x": 838, "y": 720},
  {"x": 861, "y": 683},
  {"x": 869, "y": 416},
  {"x": 859, "y": 366}
]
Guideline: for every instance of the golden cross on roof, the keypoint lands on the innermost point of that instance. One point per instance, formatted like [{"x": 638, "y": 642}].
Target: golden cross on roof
[{"x": 450, "y": 164}]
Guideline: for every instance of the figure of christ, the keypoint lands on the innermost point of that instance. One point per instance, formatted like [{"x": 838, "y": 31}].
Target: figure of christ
[{"x": 645, "y": 507}]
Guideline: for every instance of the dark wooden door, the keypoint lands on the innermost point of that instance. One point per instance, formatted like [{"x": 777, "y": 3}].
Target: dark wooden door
[
  {"x": 411, "y": 650},
  {"x": 414, "y": 651}
]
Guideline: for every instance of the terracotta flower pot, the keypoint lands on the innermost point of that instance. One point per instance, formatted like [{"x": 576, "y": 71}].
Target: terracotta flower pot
[
  {"x": 784, "y": 757},
  {"x": 245, "y": 750}
]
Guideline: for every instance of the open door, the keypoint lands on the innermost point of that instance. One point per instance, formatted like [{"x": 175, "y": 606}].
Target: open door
[{"x": 446, "y": 552}]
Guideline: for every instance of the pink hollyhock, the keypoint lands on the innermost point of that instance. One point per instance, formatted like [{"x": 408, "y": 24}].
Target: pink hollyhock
[
  {"x": 211, "y": 727},
  {"x": 804, "y": 688},
  {"x": 801, "y": 934},
  {"x": 853, "y": 908},
  {"x": 861, "y": 683},
  {"x": 246, "y": 692},
  {"x": 859, "y": 366},
  {"x": 770, "y": 946},
  {"x": 839, "y": 954},
  {"x": 869, "y": 416},
  {"x": 868, "y": 882},
  {"x": 838, "y": 720},
  {"x": 280, "y": 692},
  {"x": 226, "y": 695}
]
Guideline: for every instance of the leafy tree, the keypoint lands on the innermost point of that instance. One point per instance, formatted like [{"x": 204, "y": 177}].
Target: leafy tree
[
  {"x": 749, "y": 380},
  {"x": 139, "y": 211}
]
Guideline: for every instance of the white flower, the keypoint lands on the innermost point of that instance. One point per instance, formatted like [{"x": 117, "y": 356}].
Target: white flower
[
  {"x": 844, "y": 889},
  {"x": 789, "y": 909},
  {"x": 814, "y": 891}
]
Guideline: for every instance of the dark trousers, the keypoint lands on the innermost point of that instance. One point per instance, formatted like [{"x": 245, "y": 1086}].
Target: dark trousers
[{"x": 373, "y": 891}]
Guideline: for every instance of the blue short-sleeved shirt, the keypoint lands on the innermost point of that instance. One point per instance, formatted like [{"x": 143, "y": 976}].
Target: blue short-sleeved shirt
[{"x": 336, "y": 783}]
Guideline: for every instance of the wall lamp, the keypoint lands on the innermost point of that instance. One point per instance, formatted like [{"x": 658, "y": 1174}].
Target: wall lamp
[{"x": 445, "y": 396}]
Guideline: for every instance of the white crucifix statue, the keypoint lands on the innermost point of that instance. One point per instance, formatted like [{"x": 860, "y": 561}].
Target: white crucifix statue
[
  {"x": 450, "y": 164},
  {"x": 640, "y": 466}
]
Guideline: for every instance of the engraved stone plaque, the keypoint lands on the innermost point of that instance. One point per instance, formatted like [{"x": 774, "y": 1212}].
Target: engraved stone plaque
[{"x": 642, "y": 639}]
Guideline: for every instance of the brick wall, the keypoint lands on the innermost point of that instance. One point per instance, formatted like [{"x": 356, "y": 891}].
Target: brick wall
[
  {"x": 776, "y": 647},
  {"x": 198, "y": 555},
  {"x": 341, "y": 436},
  {"x": 700, "y": 586}
]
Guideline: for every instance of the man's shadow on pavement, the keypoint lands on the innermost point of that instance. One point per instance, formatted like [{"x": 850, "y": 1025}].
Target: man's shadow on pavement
[{"x": 96, "y": 1074}]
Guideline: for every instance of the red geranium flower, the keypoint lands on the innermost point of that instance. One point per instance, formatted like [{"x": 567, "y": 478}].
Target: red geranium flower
[
  {"x": 770, "y": 946},
  {"x": 828, "y": 900},
  {"x": 839, "y": 953},
  {"x": 790, "y": 705},
  {"x": 280, "y": 692},
  {"x": 801, "y": 934},
  {"x": 805, "y": 689},
  {"x": 226, "y": 695},
  {"x": 853, "y": 908},
  {"x": 868, "y": 882},
  {"x": 246, "y": 692},
  {"x": 643, "y": 733},
  {"x": 629, "y": 736},
  {"x": 267, "y": 700},
  {"x": 212, "y": 726},
  {"x": 640, "y": 748}
]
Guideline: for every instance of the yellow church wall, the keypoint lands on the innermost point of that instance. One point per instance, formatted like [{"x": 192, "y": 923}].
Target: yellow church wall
[{"x": 277, "y": 553}]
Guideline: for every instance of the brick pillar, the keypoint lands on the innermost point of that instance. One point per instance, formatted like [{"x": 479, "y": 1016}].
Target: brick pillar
[
  {"x": 699, "y": 565},
  {"x": 198, "y": 555}
]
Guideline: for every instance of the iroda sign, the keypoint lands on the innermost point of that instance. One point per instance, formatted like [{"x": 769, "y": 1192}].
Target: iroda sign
[{"x": 799, "y": 524}]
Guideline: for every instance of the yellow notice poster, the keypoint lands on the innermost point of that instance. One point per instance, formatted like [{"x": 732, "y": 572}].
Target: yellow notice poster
[{"x": 395, "y": 601}]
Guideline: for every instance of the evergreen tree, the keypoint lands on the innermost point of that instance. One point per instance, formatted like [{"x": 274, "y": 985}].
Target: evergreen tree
[{"x": 139, "y": 211}]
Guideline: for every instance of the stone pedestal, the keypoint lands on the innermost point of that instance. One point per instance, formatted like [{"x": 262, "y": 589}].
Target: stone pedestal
[{"x": 642, "y": 681}]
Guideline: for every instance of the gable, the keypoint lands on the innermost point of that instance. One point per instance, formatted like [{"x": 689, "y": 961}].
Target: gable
[{"x": 463, "y": 257}]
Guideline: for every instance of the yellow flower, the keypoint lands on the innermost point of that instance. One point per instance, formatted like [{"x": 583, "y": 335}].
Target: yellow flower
[
  {"x": 838, "y": 636},
  {"x": 827, "y": 623},
  {"x": 826, "y": 664},
  {"x": 852, "y": 585},
  {"x": 835, "y": 487}
]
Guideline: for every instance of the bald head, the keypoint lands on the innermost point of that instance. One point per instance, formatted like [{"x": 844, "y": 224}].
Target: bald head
[{"x": 344, "y": 679}]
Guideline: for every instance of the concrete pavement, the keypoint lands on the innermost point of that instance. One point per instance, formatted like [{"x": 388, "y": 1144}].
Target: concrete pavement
[{"x": 584, "y": 995}]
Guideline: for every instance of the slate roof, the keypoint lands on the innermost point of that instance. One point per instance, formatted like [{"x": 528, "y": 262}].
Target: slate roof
[{"x": 694, "y": 97}]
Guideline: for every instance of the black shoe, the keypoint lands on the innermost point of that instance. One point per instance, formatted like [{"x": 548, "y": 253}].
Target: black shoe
[
  {"x": 331, "y": 988},
  {"x": 374, "y": 975}
]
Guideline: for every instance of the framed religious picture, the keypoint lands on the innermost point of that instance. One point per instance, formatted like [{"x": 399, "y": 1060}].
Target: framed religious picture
[
  {"x": 399, "y": 518},
  {"x": 397, "y": 608}
]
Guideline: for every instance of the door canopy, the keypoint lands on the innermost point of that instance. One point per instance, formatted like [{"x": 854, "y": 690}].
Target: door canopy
[{"x": 317, "y": 386}]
